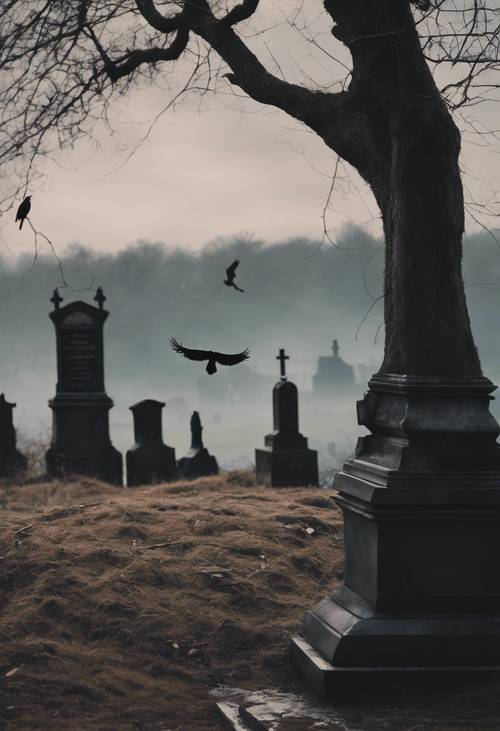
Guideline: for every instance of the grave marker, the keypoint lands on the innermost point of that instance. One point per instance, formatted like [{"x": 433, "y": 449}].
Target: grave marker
[
  {"x": 12, "y": 462},
  {"x": 198, "y": 461},
  {"x": 286, "y": 459},
  {"x": 149, "y": 460},
  {"x": 80, "y": 435}
]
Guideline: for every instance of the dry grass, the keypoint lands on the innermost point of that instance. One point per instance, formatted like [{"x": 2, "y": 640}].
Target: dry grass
[
  {"x": 120, "y": 609},
  {"x": 100, "y": 629}
]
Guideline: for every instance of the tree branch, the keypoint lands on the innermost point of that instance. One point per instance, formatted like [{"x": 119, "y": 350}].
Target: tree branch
[
  {"x": 325, "y": 113},
  {"x": 118, "y": 69},
  {"x": 156, "y": 19},
  {"x": 240, "y": 12}
]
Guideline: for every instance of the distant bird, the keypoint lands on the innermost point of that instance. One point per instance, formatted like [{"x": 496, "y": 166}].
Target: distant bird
[
  {"x": 23, "y": 210},
  {"x": 230, "y": 274},
  {"x": 225, "y": 359}
]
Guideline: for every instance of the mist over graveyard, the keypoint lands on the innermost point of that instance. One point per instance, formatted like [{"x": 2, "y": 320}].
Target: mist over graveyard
[{"x": 302, "y": 295}]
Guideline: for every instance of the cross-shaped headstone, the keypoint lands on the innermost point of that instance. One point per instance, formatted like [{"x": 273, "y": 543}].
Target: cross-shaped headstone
[
  {"x": 100, "y": 297},
  {"x": 282, "y": 358},
  {"x": 56, "y": 299}
]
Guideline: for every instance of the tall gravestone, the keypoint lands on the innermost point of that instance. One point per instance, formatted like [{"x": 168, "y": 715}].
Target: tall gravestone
[
  {"x": 12, "y": 462},
  {"x": 286, "y": 459},
  {"x": 80, "y": 424},
  {"x": 149, "y": 460},
  {"x": 198, "y": 462}
]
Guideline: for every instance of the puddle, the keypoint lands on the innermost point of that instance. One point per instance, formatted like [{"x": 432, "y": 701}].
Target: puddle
[
  {"x": 270, "y": 707},
  {"x": 474, "y": 707}
]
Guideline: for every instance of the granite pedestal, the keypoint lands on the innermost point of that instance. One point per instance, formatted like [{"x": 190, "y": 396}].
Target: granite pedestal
[
  {"x": 149, "y": 460},
  {"x": 421, "y": 505}
]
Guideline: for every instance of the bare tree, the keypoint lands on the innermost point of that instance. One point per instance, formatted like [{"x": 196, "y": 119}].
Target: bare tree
[{"x": 62, "y": 62}]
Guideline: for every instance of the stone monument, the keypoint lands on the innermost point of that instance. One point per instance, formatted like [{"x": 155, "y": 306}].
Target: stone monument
[
  {"x": 197, "y": 462},
  {"x": 286, "y": 459},
  {"x": 80, "y": 423},
  {"x": 421, "y": 505},
  {"x": 149, "y": 460},
  {"x": 12, "y": 462},
  {"x": 334, "y": 375}
]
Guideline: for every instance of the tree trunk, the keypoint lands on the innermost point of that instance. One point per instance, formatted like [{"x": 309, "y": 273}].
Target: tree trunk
[
  {"x": 410, "y": 155},
  {"x": 426, "y": 321}
]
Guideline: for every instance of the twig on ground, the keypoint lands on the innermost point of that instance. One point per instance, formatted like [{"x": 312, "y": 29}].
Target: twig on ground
[{"x": 21, "y": 530}]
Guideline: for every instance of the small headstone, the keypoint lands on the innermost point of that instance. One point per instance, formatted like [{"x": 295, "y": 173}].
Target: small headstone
[
  {"x": 149, "y": 460},
  {"x": 286, "y": 459},
  {"x": 334, "y": 376},
  {"x": 197, "y": 462},
  {"x": 80, "y": 424},
  {"x": 12, "y": 462}
]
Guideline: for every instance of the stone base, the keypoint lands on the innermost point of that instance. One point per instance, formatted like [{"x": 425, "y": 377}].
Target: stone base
[
  {"x": 421, "y": 507},
  {"x": 107, "y": 465},
  {"x": 80, "y": 438},
  {"x": 286, "y": 467},
  {"x": 13, "y": 464},
  {"x": 148, "y": 464},
  {"x": 332, "y": 681},
  {"x": 422, "y": 585},
  {"x": 197, "y": 463}
]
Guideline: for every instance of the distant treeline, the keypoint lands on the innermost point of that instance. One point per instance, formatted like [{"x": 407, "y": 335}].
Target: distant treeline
[{"x": 298, "y": 295}]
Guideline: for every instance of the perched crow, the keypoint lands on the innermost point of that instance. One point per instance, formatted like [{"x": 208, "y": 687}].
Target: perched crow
[
  {"x": 230, "y": 274},
  {"x": 23, "y": 210},
  {"x": 210, "y": 355}
]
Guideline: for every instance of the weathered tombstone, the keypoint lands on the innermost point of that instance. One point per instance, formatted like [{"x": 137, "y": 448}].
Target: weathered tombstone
[
  {"x": 149, "y": 460},
  {"x": 334, "y": 375},
  {"x": 197, "y": 462},
  {"x": 80, "y": 424},
  {"x": 12, "y": 462},
  {"x": 286, "y": 459}
]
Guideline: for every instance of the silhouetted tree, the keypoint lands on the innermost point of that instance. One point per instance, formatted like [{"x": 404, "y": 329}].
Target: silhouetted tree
[{"x": 62, "y": 60}]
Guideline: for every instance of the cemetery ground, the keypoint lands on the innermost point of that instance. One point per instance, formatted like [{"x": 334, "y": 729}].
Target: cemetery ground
[{"x": 125, "y": 609}]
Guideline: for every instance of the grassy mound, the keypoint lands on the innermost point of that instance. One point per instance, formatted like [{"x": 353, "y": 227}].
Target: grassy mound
[{"x": 121, "y": 608}]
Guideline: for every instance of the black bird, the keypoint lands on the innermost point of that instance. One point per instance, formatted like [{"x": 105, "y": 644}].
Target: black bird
[
  {"x": 230, "y": 274},
  {"x": 225, "y": 359},
  {"x": 23, "y": 210}
]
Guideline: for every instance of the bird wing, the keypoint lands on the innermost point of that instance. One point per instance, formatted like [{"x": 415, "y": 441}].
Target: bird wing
[
  {"x": 230, "y": 359},
  {"x": 188, "y": 352},
  {"x": 231, "y": 270}
]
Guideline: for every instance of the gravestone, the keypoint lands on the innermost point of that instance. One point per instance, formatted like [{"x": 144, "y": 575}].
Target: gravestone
[
  {"x": 286, "y": 459},
  {"x": 149, "y": 460},
  {"x": 334, "y": 375},
  {"x": 80, "y": 423},
  {"x": 197, "y": 462},
  {"x": 12, "y": 462}
]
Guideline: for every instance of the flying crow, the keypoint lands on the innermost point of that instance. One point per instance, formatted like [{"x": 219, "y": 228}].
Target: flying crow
[
  {"x": 230, "y": 274},
  {"x": 23, "y": 210},
  {"x": 224, "y": 359}
]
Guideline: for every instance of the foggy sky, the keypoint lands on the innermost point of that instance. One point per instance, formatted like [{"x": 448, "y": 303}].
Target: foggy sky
[{"x": 225, "y": 167}]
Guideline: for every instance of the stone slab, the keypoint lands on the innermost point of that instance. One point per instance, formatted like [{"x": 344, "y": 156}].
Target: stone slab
[
  {"x": 336, "y": 682},
  {"x": 286, "y": 468}
]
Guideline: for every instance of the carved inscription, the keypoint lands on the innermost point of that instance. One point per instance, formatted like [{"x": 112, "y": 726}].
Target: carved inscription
[{"x": 80, "y": 361}]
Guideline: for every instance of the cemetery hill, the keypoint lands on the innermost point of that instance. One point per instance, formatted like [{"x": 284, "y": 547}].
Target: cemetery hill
[
  {"x": 165, "y": 530},
  {"x": 252, "y": 484}
]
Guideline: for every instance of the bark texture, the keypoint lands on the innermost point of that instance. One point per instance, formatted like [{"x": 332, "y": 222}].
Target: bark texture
[{"x": 411, "y": 157}]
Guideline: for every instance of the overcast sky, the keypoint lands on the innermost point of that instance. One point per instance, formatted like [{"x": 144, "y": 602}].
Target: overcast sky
[{"x": 233, "y": 168}]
